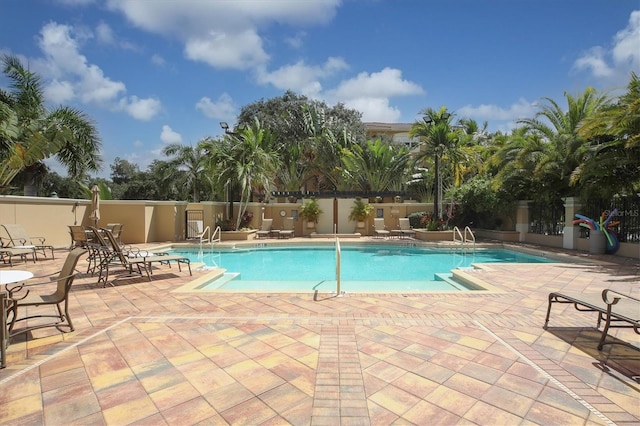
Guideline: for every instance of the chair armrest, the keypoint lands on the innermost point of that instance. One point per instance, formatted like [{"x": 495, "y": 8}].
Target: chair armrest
[
  {"x": 41, "y": 239},
  {"x": 616, "y": 299},
  {"x": 30, "y": 284}
]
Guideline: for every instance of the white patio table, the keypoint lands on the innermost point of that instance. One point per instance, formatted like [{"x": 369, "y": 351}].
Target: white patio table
[{"x": 7, "y": 277}]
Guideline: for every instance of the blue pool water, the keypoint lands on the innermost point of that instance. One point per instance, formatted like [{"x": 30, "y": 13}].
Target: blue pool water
[{"x": 377, "y": 268}]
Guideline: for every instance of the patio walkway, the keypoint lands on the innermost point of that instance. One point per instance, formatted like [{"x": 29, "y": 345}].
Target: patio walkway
[{"x": 144, "y": 355}]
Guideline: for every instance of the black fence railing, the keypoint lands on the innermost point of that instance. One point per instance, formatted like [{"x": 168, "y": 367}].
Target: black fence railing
[
  {"x": 338, "y": 194},
  {"x": 194, "y": 222},
  {"x": 546, "y": 218},
  {"x": 625, "y": 223}
]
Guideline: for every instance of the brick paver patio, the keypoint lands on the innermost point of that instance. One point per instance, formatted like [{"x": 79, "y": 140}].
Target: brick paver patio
[{"x": 142, "y": 354}]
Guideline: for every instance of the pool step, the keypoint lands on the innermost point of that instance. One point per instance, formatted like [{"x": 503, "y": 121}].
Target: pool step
[
  {"x": 448, "y": 278},
  {"x": 222, "y": 280}
]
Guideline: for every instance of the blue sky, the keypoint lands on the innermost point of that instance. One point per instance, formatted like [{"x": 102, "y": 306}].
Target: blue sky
[{"x": 157, "y": 72}]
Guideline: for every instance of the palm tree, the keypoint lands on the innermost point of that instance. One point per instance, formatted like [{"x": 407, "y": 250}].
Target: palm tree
[
  {"x": 191, "y": 160},
  {"x": 562, "y": 149},
  {"x": 30, "y": 133},
  {"x": 438, "y": 139},
  {"x": 245, "y": 160},
  {"x": 614, "y": 141},
  {"x": 376, "y": 166}
]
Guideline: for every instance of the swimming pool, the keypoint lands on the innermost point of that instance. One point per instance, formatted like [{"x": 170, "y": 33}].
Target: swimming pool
[{"x": 363, "y": 267}]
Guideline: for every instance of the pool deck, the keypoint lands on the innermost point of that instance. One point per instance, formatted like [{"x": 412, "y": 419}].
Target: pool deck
[{"x": 143, "y": 354}]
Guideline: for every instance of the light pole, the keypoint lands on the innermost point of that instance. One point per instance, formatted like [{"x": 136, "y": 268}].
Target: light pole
[
  {"x": 438, "y": 144},
  {"x": 225, "y": 127}
]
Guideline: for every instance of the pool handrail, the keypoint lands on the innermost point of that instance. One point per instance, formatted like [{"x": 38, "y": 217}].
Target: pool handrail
[
  {"x": 218, "y": 232},
  {"x": 338, "y": 273},
  {"x": 464, "y": 238}
]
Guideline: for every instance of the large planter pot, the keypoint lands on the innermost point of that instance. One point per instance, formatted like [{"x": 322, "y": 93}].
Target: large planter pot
[
  {"x": 597, "y": 242},
  {"x": 238, "y": 235},
  {"x": 424, "y": 235}
]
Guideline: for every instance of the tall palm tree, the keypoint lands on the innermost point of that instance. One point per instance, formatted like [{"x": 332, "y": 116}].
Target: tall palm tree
[
  {"x": 30, "y": 133},
  {"x": 246, "y": 160},
  {"x": 614, "y": 140},
  {"x": 191, "y": 160},
  {"x": 438, "y": 139},
  {"x": 563, "y": 149}
]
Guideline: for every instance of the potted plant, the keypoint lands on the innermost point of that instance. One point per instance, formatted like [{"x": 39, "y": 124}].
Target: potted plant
[
  {"x": 310, "y": 211},
  {"x": 360, "y": 212}
]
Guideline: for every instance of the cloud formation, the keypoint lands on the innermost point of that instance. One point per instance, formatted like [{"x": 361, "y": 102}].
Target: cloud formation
[
  {"x": 73, "y": 78},
  {"x": 613, "y": 64},
  {"x": 223, "y": 108},
  {"x": 169, "y": 136}
]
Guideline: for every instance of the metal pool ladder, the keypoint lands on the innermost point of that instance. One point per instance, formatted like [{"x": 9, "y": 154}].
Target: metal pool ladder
[{"x": 459, "y": 237}]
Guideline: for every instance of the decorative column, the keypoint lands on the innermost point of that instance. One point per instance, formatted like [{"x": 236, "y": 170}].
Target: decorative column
[
  {"x": 522, "y": 219},
  {"x": 571, "y": 232}
]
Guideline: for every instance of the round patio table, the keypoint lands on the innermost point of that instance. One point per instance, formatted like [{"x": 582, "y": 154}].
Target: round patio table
[
  {"x": 14, "y": 275},
  {"x": 7, "y": 277}
]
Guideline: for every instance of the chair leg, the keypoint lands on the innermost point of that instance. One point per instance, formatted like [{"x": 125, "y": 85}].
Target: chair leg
[{"x": 66, "y": 314}]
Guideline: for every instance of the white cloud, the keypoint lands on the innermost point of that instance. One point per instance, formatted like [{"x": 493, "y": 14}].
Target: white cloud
[
  {"x": 504, "y": 118},
  {"x": 72, "y": 77},
  {"x": 158, "y": 60},
  {"x": 59, "y": 92},
  {"x": 296, "y": 41},
  {"x": 374, "y": 109},
  {"x": 386, "y": 83},
  {"x": 615, "y": 64},
  {"x": 301, "y": 77},
  {"x": 227, "y": 50},
  {"x": 223, "y": 34},
  {"x": 104, "y": 33},
  {"x": 141, "y": 109},
  {"x": 223, "y": 108},
  {"x": 168, "y": 135},
  {"x": 371, "y": 94}
]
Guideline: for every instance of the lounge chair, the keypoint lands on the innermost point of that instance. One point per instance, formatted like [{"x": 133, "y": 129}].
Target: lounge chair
[
  {"x": 21, "y": 296},
  {"x": 404, "y": 228},
  {"x": 8, "y": 253},
  {"x": 288, "y": 230},
  {"x": 140, "y": 259},
  {"x": 116, "y": 230},
  {"x": 265, "y": 229},
  {"x": 612, "y": 307},
  {"x": 20, "y": 239},
  {"x": 379, "y": 230}
]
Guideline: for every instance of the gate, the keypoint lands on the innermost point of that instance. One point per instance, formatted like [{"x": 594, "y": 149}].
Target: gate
[{"x": 194, "y": 222}]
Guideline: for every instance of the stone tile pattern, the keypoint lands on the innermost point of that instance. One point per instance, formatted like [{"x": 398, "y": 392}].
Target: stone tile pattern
[{"x": 141, "y": 354}]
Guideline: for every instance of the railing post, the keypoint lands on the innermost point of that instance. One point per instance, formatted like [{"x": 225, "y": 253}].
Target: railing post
[
  {"x": 522, "y": 219},
  {"x": 570, "y": 232}
]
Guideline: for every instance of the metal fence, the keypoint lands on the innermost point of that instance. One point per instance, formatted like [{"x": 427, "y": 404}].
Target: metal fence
[
  {"x": 194, "y": 223},
  {"x": 626, "y": 220},
  {"x": 546, "y": 218}
]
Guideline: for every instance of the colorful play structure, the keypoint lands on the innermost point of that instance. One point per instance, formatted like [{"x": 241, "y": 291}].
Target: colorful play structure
[{"x": 604, "y": 225}]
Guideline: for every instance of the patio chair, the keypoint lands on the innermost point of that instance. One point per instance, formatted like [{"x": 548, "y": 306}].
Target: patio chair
[
  {"x": 140, "y": 259},
  {"x": 404, "y": 228},
  {"x": 18, "y": 299},
  {"x": 288, "y": 230},
  {"x": 617, "y": 310},
  {"x": 8, "y": 253},
  {"x": 265, "y": 228},
  {"x": 116, "y": 230},
  {"x": 78, "y": 236},
  {"x": 19, "y": 238},
  {"x": 379, "y": 229}
]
